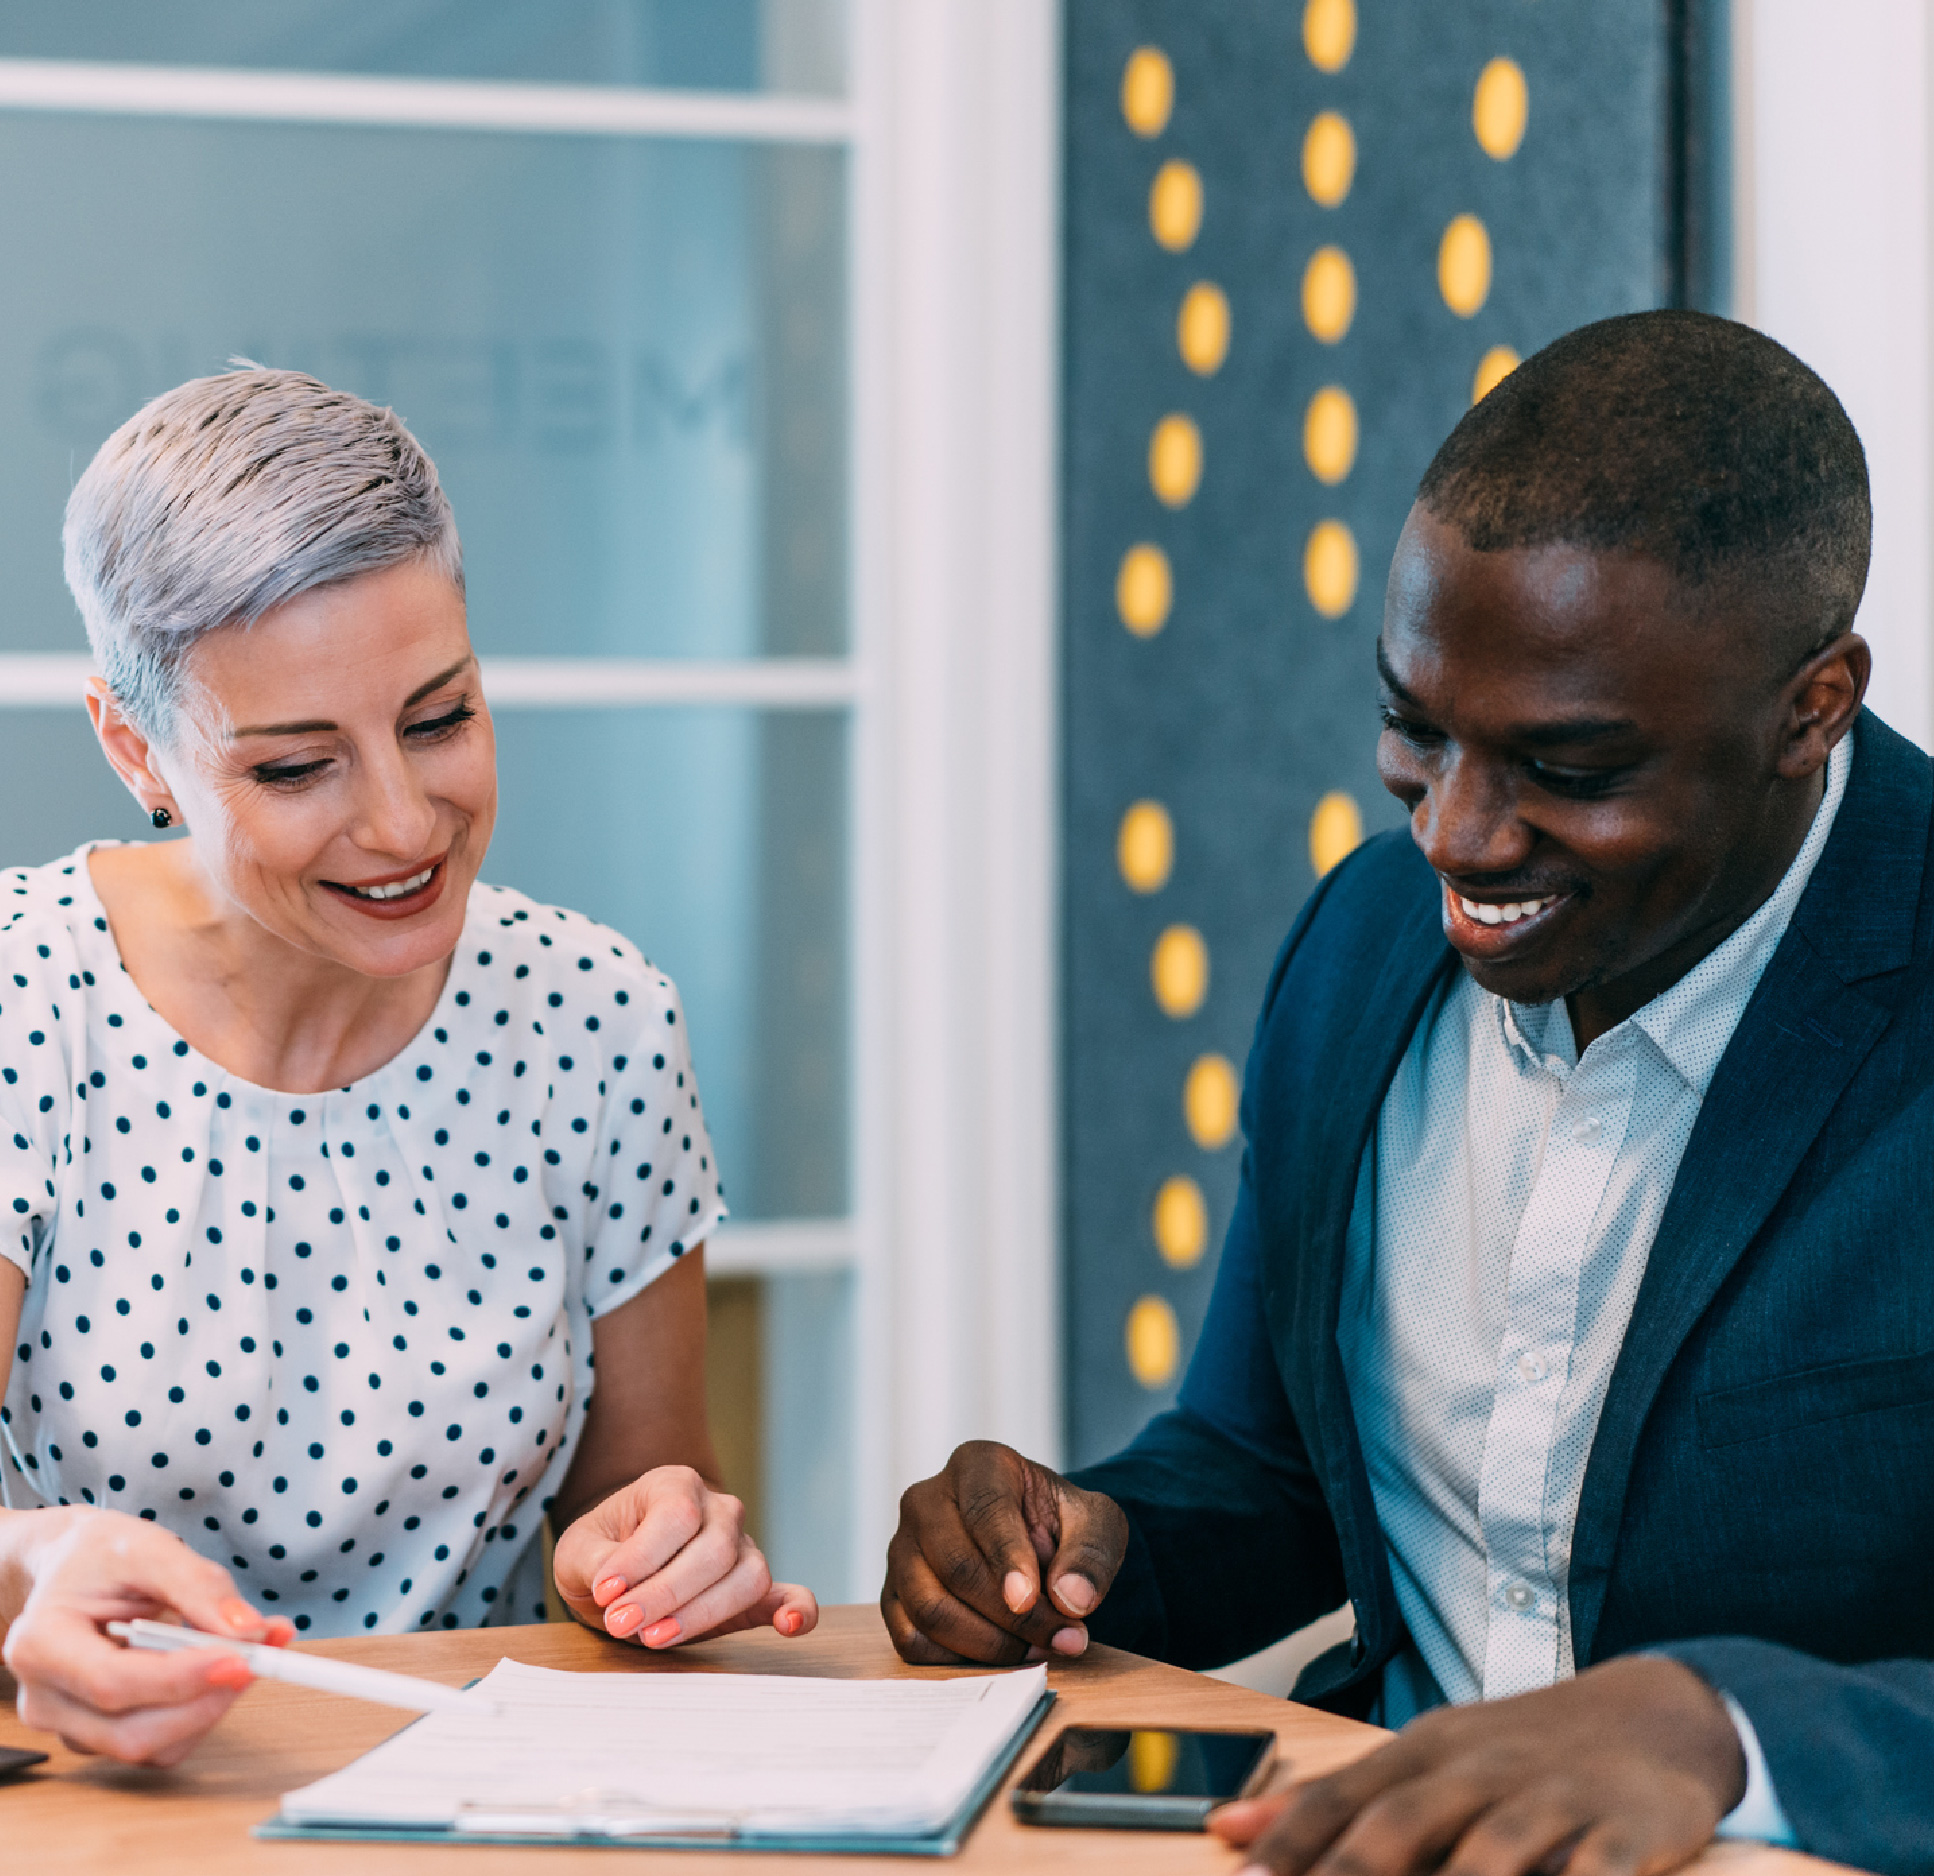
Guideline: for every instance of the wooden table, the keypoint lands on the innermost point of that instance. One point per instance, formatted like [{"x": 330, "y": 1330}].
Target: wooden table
[{"x": 81, "y": 1816}]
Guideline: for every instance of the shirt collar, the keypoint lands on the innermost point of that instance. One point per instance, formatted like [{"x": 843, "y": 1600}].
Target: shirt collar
[{"x": 1692, "y": 1022}]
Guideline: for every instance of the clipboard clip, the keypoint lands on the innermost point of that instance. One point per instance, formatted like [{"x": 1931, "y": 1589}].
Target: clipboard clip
[{"x": 593, "y": 1815}]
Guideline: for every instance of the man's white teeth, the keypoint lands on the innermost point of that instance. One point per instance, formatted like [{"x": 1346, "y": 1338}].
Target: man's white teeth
[
  {"x": 1507, "y": 914},
  {"x": 401, "y": 889}
]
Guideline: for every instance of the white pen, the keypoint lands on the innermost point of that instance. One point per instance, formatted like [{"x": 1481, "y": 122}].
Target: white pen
[{"x": 317, "y": 1671}]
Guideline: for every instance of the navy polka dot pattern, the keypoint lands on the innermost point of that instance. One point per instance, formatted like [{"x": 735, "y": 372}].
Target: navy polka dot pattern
[{"x": 340, "y": 1343}]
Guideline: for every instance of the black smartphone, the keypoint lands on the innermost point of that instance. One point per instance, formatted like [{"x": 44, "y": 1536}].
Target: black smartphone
[
  {"x": 1145, "y": 1778},
  {"x": 17, "y": 1759}
]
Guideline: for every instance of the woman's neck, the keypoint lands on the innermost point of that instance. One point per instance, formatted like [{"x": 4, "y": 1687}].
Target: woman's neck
[{"x": 250, "y": 1002}]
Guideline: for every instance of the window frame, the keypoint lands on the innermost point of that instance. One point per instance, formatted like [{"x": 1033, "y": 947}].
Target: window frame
[{"x": 951, "y": 126}]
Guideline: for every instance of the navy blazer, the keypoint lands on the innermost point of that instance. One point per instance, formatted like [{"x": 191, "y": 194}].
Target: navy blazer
[{"x": 1759, "y": 1500}]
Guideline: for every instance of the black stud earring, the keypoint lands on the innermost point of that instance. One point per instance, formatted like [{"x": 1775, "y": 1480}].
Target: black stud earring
[{"x": 162, "y": 818}]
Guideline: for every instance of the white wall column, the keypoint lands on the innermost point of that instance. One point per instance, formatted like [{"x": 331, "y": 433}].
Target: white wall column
[
  {"x": 956, "y": 234},
  {"x": 1832, "y": 258}
]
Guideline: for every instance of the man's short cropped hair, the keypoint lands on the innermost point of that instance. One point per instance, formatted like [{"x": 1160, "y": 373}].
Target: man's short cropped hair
[
  {"x": 1691, "y": 440},
  {"x": 226, "y": 496}
]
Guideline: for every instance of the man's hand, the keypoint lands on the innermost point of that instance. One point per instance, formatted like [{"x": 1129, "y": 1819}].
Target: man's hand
[
  {"x": 965, "y": 1570},
  {"x": 666, "y": 1560},
  {"x": 1621, "y": 1772}
]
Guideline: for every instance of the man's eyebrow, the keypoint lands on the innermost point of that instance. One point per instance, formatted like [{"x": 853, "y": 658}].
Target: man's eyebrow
[
  {"x": 310, "y": 728},
  {"x": 1570, "y": 731},
  {"x": 1392, "y": 682},
  {"x": 1564, "y": 733}
]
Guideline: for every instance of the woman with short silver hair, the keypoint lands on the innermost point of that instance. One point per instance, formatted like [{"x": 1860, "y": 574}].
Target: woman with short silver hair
[{"x": 326, "y": 1171}]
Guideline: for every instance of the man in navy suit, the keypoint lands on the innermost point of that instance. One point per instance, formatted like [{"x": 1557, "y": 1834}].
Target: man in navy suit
[{"x": 1576, "y": 1319}]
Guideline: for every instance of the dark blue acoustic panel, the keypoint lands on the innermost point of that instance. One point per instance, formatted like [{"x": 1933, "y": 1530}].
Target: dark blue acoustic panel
[{"x": 1216, "y": 149}]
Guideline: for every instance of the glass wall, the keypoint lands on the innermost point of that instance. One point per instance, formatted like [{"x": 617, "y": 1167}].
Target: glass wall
[{"x": 627, "y": 355}]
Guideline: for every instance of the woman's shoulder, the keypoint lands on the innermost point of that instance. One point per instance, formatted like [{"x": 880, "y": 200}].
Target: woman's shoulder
[
  {"x": 557, "y": 955},
  {"x": 43, "y": 913}
]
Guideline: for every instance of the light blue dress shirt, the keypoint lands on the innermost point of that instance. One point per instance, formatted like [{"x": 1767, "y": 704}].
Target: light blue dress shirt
[{"x": 1502, "y": 1223}]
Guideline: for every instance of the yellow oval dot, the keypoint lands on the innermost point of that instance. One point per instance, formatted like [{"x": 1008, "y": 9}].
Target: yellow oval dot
[
  {"x": 1175, "y": 460},
  {"x": 1209, "y": 1102},
  {"x": 1330, "y": 568},
  {"x": 1154, "y": 1342},
  {"x": 1464, "y": 265},
  {"x": 1175, "y": 205},
  {"x": 1144, "y": 590},
  {"x": 1151, "y": 1759},
  {"x": 1147, "y": 91},
  {"x": 1500, "y": 107},
  {"x": 1329, "y": 294},
  {"x": 1202, "y": 328},
  {"x": 1329, "y": 434},
  {"x": 1492, "y": 369},
  {"x": 1329, "y": 33},
  {"x": 1145, "y": 847},
  {"x": 1329, "y": 158},
  {"x": 1179, "y": 971},
  {"x": 1181, "y": 1222},
  {"x": 1335, "y": 831}
]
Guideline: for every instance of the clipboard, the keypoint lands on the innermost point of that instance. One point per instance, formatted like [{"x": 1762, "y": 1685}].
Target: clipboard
[{"x": 595, "y": 1831}]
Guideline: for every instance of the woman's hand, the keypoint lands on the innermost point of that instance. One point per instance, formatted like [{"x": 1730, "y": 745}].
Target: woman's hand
[
  {"x": 666, "y": 1559},
  {"x": 83, "y": 1569}
]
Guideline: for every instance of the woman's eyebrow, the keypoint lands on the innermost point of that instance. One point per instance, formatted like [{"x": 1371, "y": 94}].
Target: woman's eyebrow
[{"x": 309, "y": 728}]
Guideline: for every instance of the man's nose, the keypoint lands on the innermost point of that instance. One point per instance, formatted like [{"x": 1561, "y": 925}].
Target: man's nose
[{"x": 1467, "y": 823}]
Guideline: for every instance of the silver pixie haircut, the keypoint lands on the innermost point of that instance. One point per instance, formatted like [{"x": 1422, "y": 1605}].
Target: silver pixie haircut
[{"x": 226, "y": 496}]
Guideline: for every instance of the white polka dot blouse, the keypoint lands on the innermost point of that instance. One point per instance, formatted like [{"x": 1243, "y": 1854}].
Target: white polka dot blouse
[{"x": 340, "y": 1343}]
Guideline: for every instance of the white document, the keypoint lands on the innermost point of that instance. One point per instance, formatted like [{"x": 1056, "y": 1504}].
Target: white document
[{"x": 670, "y": 1753}]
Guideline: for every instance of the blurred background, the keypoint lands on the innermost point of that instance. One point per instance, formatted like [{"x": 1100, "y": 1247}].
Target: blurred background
[{"x": 927, "y": 472}]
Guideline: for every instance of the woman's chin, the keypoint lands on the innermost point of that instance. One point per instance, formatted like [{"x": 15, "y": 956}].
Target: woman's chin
[{"x": 387, "y": 947}]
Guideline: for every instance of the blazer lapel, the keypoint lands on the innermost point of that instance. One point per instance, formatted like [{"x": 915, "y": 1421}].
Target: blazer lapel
[
  {"x": 1413, "y": 971},
  {"x": 1802, "y": 1039}
]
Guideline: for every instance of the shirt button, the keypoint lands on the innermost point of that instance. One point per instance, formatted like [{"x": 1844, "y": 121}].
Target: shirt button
[
  {"x": 1587, "y": 1129},
  {"x": 1532, "y": 1367},
  {"x": 1520, "y": 1596}
]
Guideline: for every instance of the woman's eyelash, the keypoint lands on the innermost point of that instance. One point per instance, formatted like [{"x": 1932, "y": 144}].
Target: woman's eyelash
[
  {"x": 450, "y": 720},
  {"x": 271, "y": 775}
]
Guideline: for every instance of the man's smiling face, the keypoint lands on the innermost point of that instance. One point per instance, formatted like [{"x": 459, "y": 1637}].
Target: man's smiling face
[{"x": 1605, "y": 781}]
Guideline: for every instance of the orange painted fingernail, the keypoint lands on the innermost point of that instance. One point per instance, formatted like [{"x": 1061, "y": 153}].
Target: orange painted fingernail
[
  {"x": 623, "y": 1621},
  {"x": 789, "y": 1621},
  {"x": 227, "y": 1671},
  {"x": 661, "y": 1633},
  {"x": 607, "y": 1589},
  {"x": 237, "y": 1614}
]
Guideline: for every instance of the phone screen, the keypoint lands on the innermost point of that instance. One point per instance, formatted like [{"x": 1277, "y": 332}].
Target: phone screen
[{"x": 1149, "y": 1762}]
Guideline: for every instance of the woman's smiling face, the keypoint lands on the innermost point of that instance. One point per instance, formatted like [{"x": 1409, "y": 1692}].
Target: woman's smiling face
[{"x": 337, "y": 770}]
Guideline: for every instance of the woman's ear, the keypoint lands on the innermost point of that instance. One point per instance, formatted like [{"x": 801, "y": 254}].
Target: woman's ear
[{"x": 130, "y": 753}]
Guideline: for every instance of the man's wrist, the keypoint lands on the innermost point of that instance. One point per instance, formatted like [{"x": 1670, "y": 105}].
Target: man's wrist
[{"x": 1706, "y": 1741}]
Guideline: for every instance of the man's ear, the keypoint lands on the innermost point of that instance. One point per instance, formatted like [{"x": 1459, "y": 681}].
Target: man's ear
[
  {"x": 1822, "y": 700},
  {"x": 130, "y": 753}
]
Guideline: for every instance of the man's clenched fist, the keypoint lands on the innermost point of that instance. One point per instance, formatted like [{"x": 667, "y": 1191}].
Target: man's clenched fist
[{"x": 976, "y": 1546}]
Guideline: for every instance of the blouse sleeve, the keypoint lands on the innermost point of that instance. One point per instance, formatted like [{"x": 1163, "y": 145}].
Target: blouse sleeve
[
  {"x": 660, "y": 1194},
  {"x": 33, "y": 1109}
]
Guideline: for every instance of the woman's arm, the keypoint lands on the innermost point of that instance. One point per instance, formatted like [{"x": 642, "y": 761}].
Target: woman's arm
[
  {"x": 649, "y": 1545},
  {"x": 648, "y": 1398},
  {"x": 65, "y": 1573}
]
